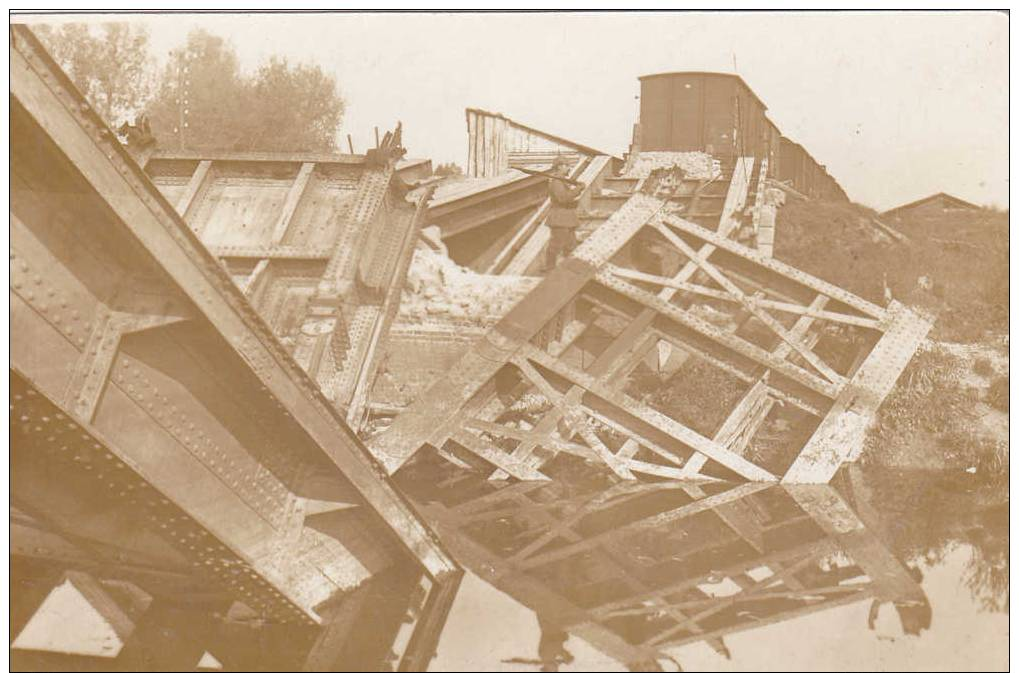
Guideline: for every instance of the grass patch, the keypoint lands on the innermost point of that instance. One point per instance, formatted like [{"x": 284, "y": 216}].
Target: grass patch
[
  {"x": 982, "y": 367},
  {"x": 997, "y": 394},
  {"x": 955, "y": 265}
]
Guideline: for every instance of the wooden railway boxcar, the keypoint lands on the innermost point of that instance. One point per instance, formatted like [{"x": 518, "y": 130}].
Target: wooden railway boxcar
[{"x": 707, "y": 111}]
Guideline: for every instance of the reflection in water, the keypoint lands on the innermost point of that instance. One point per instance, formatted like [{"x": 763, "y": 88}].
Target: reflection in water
[
  {"x": 639, "y": 569},
  {"x": 642, "y": 573}
]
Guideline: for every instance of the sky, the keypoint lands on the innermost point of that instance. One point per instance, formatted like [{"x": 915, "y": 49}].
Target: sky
[{"x": 897, "y": 105}]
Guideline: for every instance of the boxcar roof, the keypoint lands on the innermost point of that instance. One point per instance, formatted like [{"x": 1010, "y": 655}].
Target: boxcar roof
[{"x": 729, "y": 75}]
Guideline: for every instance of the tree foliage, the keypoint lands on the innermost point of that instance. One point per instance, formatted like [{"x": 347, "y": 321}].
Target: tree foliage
[
  {"x": 206, "y": 103},
  {"x": 201, "y": 95},
  {"x": 298, "y": 106},
  {"x": 448, "y": 170},
  {"x": 201, "y": 100},
  {"x": 110, "y": 63}
]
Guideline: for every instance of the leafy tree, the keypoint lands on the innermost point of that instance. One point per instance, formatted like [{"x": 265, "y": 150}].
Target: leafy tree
[
  {"x": 110, "y": 64},
  {"x": 201, "y": 100},
  {"x": 205, "y": 103},
  {"x": 201, "y": 96},
  {"x": 298, "y": 108},
  {"x": 448, "y": 170}
]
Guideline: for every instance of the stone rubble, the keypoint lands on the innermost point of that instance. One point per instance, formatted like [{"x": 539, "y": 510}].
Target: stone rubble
[
  {"x": 438, "y": 288},
  {"x": 697, "y": 165}
]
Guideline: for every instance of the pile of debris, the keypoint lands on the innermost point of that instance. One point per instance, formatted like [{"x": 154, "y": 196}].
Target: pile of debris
[
  {"x": 698, "y": 165},
  {"x": 437, "y": 288}
]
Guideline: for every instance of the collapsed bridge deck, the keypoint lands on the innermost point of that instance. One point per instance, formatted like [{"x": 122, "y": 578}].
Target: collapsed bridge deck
[
  {"x": 770, "y": 342},
  {"x": 161, "y": 435}
]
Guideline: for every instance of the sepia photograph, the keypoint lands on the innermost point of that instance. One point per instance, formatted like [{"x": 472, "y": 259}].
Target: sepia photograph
[{"x": 549, "y": 340}]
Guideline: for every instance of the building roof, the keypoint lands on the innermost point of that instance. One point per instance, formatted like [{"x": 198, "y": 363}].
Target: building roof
[{"x": 913, "y": 204}]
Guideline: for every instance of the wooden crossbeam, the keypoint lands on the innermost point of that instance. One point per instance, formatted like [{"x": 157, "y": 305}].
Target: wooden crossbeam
[
  {"x": 741, "y": 374},
  {"x": 775, "y": 266},
  {"x": 734, "y": 425},
  {"x": 729, "y": 601},
  {"x": 784, "y": 306},
  {"x": 654, "y": 418},
  {"x": 535, "y": 594},
  {"x": 574, "y": 417},
  {"x": 497, "y": 456},
  {"x": 564, "y": 527},
  {"x": 841, "y": 433},
  {"x": 783, "y": 616},
  {"x": 742, "y": 410},
  {"x": 751, "y": 306},
  {"x": 719, "y": 605},
  {"x": 531, "y": 436},
  {"x": 815, "y": 548},
  {"x": 647, "y": 442},
  {"x": 726, "y": 339},
  {"x": 656, "y": 521},
  {"x": 609, "y": 363}
]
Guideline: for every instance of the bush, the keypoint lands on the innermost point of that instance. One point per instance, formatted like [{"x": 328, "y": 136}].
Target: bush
[
  {"x": 964, "y": 256},
  {"x": 982, "y": 367},
  {"x": 997, "y": 394}
]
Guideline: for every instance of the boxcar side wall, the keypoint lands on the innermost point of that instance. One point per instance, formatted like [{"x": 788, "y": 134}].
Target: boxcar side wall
[{"x": 719, "y": 114}]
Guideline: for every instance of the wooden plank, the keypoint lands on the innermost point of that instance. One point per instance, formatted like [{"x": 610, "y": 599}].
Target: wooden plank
[
  {"x": 730, "y": 341},
  {"x": 761, "y": 315},
  {"x": 658, "y": 420},
  {"x": 497, "y": 456},
  {"x": 256, "y": 276},
  {"x": 741, "y": 411},
  {"x": 784, "y": 306},
  {"x": 575, "y": 418},
  {"x": 736, "y": 196},
  {"x": 776, "y": 266},
  {"x": 765, "y": 238},
  {"x": 653, "y": 522},
  {"x": 842, "y": 432}
]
